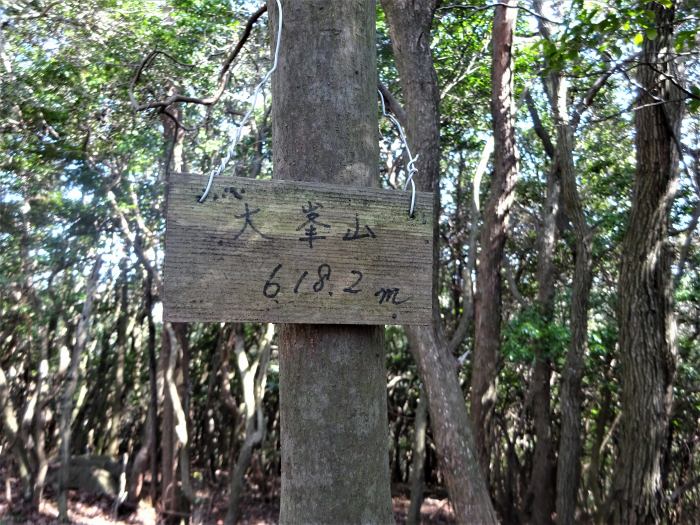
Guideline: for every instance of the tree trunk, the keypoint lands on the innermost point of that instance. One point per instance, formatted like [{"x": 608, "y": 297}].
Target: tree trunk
[
  {"x": 140, "y": 463},
  {"x": 153, "y": 438},
  {"x": 418, "y": 460},
  {"x": 333, "y": 411},
  {"x": 253, "y": 377},
  {"x": 10, "y": 428},
  {"x": 542, "y": 480},
  {"x": 174, "y": 435},
  {"x": 646, "y": 319},
  {"x": 71, "y": 382},
  {"x": 409, "y": 25},
  {"x": 570, "y": 444},
  {"x": 168, "y": 442},
  {"x": 487, "y": 337},
  {"x": 541, "y": 495},
  {"x": 175, "y": 419},
  {"x": 183, "y": 390},
  {"x": 452, "y": 428},
  {"x": 112, "y": 446}
]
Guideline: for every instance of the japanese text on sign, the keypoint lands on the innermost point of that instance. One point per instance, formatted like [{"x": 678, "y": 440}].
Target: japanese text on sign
[{"x": 295, "y": 252}]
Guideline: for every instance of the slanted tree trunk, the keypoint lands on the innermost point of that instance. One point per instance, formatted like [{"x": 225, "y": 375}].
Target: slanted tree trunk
[
  {"x": 71, "y": 382},
  {"x": 646, "y": 319},
  {"x": 487, "y": 337},
  {"x": 333, "y": 411},
  {"x": 168, "y": 455},
  {"x": 571, "y": 398},
  {"x": 183, "y": 390},
  {"x": 409, "y": 26}
]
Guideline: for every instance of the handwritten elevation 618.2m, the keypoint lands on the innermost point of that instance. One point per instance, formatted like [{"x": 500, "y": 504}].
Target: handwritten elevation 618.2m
[{"x": 295, "y": 252}]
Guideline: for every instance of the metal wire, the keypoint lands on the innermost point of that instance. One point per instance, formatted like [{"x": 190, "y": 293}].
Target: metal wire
[
  {"x": 254, "y": 98},
  {"x": 411, "y": 169}
]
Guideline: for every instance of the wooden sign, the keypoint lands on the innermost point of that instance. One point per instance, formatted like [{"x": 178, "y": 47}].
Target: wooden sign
[{"x": 296, "y": 252}]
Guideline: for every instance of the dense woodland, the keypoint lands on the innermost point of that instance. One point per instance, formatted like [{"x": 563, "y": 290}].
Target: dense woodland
[{"x": 560, "y": 381}]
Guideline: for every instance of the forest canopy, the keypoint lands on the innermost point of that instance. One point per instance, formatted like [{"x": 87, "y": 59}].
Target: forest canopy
[{"x": 560, "y": 381}]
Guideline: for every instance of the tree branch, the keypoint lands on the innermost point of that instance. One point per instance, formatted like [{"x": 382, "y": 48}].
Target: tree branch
[
  {"x": 540, "y": 130},
  {"x": 224, "y": 73},
  {"x": 678, "y": 493},
  {"x": 500, "y": 4},
  {"x": 392, "y": 105},
  {"x": 587, "y": 99}
]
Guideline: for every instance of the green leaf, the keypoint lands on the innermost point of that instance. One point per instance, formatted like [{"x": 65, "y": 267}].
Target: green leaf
[
  {"x": 694, "y": 105},
  {"x": 651, "y": 34},
  {"x": 638, "y": 39}
]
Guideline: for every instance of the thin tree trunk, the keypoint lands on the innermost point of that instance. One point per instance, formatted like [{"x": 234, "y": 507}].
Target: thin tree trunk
[
  {"x": 33, "y": 417},
  {"x": 487, "y": 336},
  {"x": 41, "y": 463},
  {"x": 594, "y": 475},
  {"x": 10, "y": 428},
  {"x": 253, "y": 378},
  {"x": 409, "y": 26},
  {"x": 452, "y": 428},
  {"x": 418, "y": 460},
  {"x": 168, "y": 442},
  {"x": 112, "y": 448},
  {"x": 140, "y": 463},
  {"x": 540, "y": 499},
  {"x": 174, "y": 421},
  {"x": 71, "y": 382},
  {"x": 571, "y": 398},
  {"x": 542, "y": 479},
  {"x": 183, "y": 389},
  {"x": 153, "y": 438},
  {"x": 174, "y": 424},
  {"x": 646, "y": 319},
  {"x": 146, "y": 452},
  {"x": 333, "y": 411},
  {"x": 570, "y": 443}
]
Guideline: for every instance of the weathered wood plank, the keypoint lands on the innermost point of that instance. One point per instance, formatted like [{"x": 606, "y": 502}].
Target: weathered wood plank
[{"x": 296, "y": 252}]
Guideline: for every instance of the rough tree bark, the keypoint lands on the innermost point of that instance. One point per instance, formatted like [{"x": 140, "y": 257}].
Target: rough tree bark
[
  {"x": 646, "y": 319},
  {"x": 409, "y": 26},
  {"x": 333, "y": 409},
  {"x": 570, "y": 445},
  {"x": 487, "y": 337},
  {"x": 540, "y": 499},
  {"x": 542, "y": 483}
]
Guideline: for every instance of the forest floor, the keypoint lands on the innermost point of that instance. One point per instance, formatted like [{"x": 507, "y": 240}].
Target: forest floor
[{"x": 255, "y": 510}]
